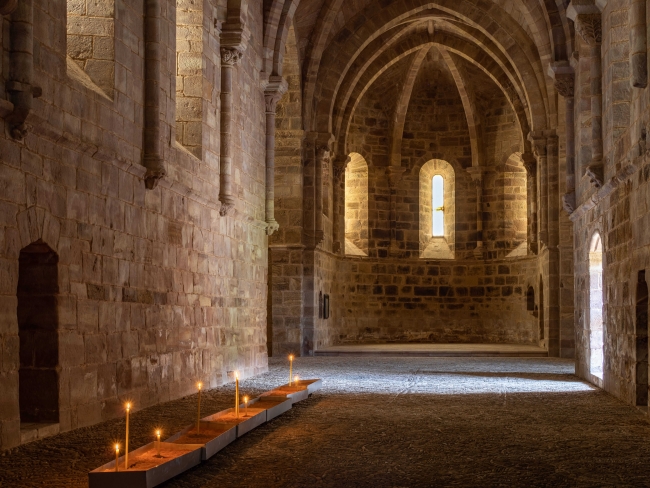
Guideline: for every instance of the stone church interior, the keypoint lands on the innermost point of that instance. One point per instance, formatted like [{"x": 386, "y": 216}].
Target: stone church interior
[{"x": 433, "y": 212}]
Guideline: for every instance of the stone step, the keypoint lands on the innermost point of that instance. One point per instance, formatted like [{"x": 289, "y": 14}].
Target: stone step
[{"x": 434, "y": 350}]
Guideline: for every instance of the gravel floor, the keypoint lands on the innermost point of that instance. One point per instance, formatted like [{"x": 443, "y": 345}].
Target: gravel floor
[{"x": 385, "y": 422}]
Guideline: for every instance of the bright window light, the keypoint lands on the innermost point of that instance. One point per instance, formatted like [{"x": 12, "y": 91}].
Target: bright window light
[{"x": 438, "y": 206}]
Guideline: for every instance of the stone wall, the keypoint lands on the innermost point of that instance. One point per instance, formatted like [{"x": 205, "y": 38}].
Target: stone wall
[
  {"x": 406, "y": 300},
  {"x": 155, "y": 288}
]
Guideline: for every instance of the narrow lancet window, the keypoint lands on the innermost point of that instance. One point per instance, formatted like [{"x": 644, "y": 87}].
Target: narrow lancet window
[{"x": 438, "y": 206}]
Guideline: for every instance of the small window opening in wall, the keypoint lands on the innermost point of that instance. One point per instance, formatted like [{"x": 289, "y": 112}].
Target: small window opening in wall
[
  {"x": 596, "y": 336},
  {"x": 438, "y": 206},
  {"x": 38, "y": 334},
  {"x": 641, "y": 340}
]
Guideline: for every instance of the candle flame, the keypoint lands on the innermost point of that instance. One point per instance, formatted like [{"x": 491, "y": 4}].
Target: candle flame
[
  {"x": 117, "y": 448},
  {"x": 199, "y": 385},
  {"x": 290, "y": 357},
  {"x": 237, "y": 374},
  {"x": 158, "y": 432},
  {"x": 296, "y": 378},
  {"x": 128, "y": 406},
  {"x": 245, "y": 399}
]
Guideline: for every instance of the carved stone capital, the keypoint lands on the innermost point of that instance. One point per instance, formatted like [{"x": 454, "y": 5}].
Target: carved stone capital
[
  {"x": 569, "y": 202},
  {"x": 271, "y": 100},
  {"x": 589, "y": 26},
  {"x": 7, "y": 6},
  {"x": 230, "y": 56},
  {"x": 274, "y": 89},
  {"x": 565, "y": 85},
  {"x": 394, "y": 174},
  {"x": 595, "y": 174}
]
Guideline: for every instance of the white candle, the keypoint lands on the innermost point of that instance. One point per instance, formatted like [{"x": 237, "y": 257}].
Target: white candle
[
  {"x": 236, "y": 394},
  {"x": 198, "y": 415},
  {"x": 126, "y": 446},
  {"x": 290, "y": 367}
]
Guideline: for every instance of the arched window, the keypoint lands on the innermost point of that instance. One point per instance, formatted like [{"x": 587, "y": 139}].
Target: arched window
[
  {"x": 596, "y": 337},
  {"x": 356, "y": 206},
  {"x": 437, "y": 210},
  {"x": 438, "y": 206}
]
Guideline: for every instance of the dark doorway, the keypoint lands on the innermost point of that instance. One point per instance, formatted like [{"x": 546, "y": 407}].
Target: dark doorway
[
  {"x": 541, "y": 309},
  {"x": 641, "y": 333},
  {"x": 38, "y": 333}
]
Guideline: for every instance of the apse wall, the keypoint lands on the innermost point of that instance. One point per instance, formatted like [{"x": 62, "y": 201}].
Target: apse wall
[
  {"x": 399, "y": 294},
  {"x": 156, "y": 289}
]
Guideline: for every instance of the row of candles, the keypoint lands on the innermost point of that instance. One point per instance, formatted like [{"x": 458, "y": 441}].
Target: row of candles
[{"x": 199, "y": 386}]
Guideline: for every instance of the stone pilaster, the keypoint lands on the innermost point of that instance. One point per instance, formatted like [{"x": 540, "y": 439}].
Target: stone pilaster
[
  {"x": 539, "y": 151},
  {"x": 230, "y": 56},
  {"x": 476, "y": 173},
  {"x": 530, "y": 164},
  {"x": 339, "y": 165},
  {"x": 588, "y": 24},
  {"x": 394, "y": 174},
  {"x": 152, "y": 158},
  {"x": 638, "y": 44},
  {"x": 20, "y": 85},
  {"x": 564, "y": 80},
  {"x": 276, "y": 87}
]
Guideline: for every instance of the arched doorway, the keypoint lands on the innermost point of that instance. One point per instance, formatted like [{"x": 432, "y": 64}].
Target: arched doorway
[
  {"x": 641, "y": 333},
  {"x": 38, "y": 334},
  {"x": 596, "y": 336}
]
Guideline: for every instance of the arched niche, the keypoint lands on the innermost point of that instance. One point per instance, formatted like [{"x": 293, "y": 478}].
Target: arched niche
[
  {"x": 437, "y": 175},
  {"x": 356, "y": 206}
]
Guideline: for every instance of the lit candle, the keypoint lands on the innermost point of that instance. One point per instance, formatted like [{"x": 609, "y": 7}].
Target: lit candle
[
  {"x": 158, "y": 436},
  {"x": 236, "y": 394},
  {"x": 245, "y": 406},
  {"x": 198, "y": 415},
  {"x": 117, "y": 456},
  {"x": 290, "y": 367},
  {"x": 126, "y": 445},
  {"x": 295, "y": 379}
]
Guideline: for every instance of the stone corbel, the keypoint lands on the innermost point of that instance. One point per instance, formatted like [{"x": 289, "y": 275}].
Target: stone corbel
[
  {"x": 595, "y": 174},
  {"x": 273, "y": 92},
  {"x": 394, "y": 174},
  {"x": 7, "y": 6}
]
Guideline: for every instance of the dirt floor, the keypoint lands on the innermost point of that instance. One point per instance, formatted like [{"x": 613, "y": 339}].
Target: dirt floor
[{"x": 384, "y": 422}]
